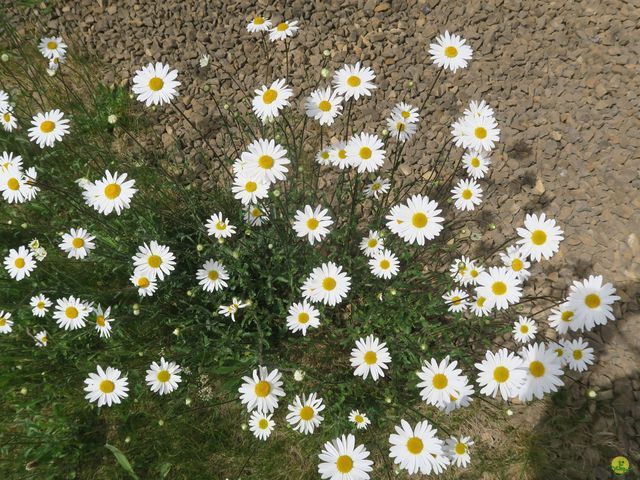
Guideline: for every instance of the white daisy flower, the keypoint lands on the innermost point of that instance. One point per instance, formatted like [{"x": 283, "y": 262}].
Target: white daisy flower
[
  {"x": 30, "y": 178},
  {"x": 106, "y": 386},
  {"x": 261, "y": 391},
  {"x": 564, "y": 318},
  {"x": 9, "y": 160},
  {"x": 13, "y": 185},
  {"x": 456, "y": 300},
  {"x": 372, "y": 243},
  {"x": 354, "y": 81},
  {"x": 417, "y": 449},
  {"x": 579, "y": 355},
  {"x": 378, "y": 187},
  {"x": 338, "y": 155},
  {"x": 219, "y": 226},
  {"x": 6, "y": 324},
  {"x": 591, "y": 302},
  {"x": 457, "y": 449},
  {"x": 77, "y": 243},
  {"x": 524, "y": 329},
  {"x": 540, "y": 237},
  {"x": 323, "y": 105},
  {"x": 478, "y": 307},
  {"x": 40, "y": 305},
  {"x": 283, "y": 30},
  {"x": 467, "y": 194},
  {"x": 517, "y": 261},
  {"x": 341, "y": 459},
  {"x": 71, "y": 313},
  {"x": 48, "y": 128},
  {"x": 560, "y": 350},
  {"x": 304, "y": 413},
  {"x": 256, "y": 216},
  {"x": 155, "y": 84},
  {"x": 543, "y": 369},
  {"x": 459, "y": 268},
  {"x": 365, "y": 152},
  {"x": 327, "y": 283},
  {"x": 51, "y": 47},
  {"x": 476, "y": 133},
  {"x": 231, "y": 310},
  {"x": 462, "y": 400},
  {"x": 249, "y": 189},
  {"x": 324, "y": 157},
  {"x": 360, "y": 419},
  {"x": 270, "y": 100},
  {"x": 416, "y": 221},
  {"x": 19, "y": 263},
  {"x": 471, "y": 273},
  {"x": 450, "y": 52},
  {"x": 154, "y": 260},
  {"x": 384, "y": 264},
  {"x": 476, "y": 164},
  {"x": 163, "y": 377},
  {"x": 440, "y": 381},
  {"x": 261, "y": 425},
  {"x": 302, "y": 316},
  {"x": 370, "y": 356},
  {"x": 111, "y": 192},
  {"x": 500, "y": 287},
  {"x": 212, "y": 276},
  {"x": 407, "y": 112},
  {"x": 400, "y": 129},
  {"x": 41, "y": 338},
  {"x": 5, "y": 106},
  {"x": 503, "y": 372},
  {"x": 259, "y": 24},
  {"x": 266, "y": 161},
  {"x": 146, "y": 285},
  {"x": 8, "y": 120},
  {"x": 103, "y": 321},
  {"x": 478, "y": 109},
  {"x": 312, "y": 223}
]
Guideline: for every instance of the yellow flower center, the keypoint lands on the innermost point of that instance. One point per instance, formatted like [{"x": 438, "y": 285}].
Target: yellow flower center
[
  {"x": 499, "y": 288},
  {"x": 164, "y": 376},
  {"x": 415, "y": 445},
  {"x": 473, "y": 273},
  {"x": 263, "y": 424},
  {"x": 19, "y": 263},
  {"x": 44, "y": 340},
  {"x": 71, "y": 312},
  {"x": 13, "y": 184},
  {"x": 107, "y": 386},
  {"x": 405, "y": 114},
  {"x": 269, "y": 96},
  {"x": 258, "y": 21},
  {"x": 282, "y": 26},
  {"x": 524, "y": 329},
  {"x": 456, "y": 300},
  {"x": 451, "y": 52},
  {"x": 475, "y": 162},
  {"x": 303, "y": 317},
  {"x": 372, "y": 243},
  {"x": 3, "y": 322},
  {"x": 306, "y": 413},
  {"x": 221, "y": 226},
  {"x": 400, "y": 126},
  {"x": 480, "y": 132},
  {"x": 344, "y": 464},
  {"x": 480, "y": 301},
  {"x": 376, "y": 186},
  {"x": 559, "y": 352},
  {"x": 538, "y": 237},
  {"x": 370, "y": 358},
  {"x": 156, "y": 84},
  {"x": 77, "y": 242},
  {"x": 440, "y": 381},
  {"x": 385, "y": 264},
  {"x": 342, "y": 154},
  {"x": 501, "y": 374},
  {"x": 516, "y": 265},
  {"x": 256, "y": 212},
  {"x": 592, "y": 300},
  {"x": 324, "y": 105},
  {"x": 143, "y": 282},
  {"x": 324, "y": 155},
  {"x": 467, "y": 194},
  {"x": 100, "y": 320},
  {"x": 154, "y": 261},
  {"x": 536, "y": 368},
  {"x": 354, "y": 81},
  {"x": 359, "y": 419},
  {"x": 577, "y": 354},
  {"x": 40, "y": 305},
  {"x": 419, "y": 220},
  {"x": 461, "y": 448},
  {"x": 213, "y": 275},
  {"x": 266, "y": 162},
  {"x": 52, "y": 45},
  {"x": 567, "y": 316},
  {"x": 112, "y": 191},
  {"x": 312, "y": 224},
  {"x": 7, "y": 117},
  {"x": 329, "y": 283},
  {"x": 365, "y": 153},
  {"x": 262, "y": 388},
  {"x": 251, "y": 187}
]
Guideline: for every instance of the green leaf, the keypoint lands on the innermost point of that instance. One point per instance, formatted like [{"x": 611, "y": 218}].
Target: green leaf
[
  {"x": 122, "y": 460},
  {"x": 164, "y": 469}
]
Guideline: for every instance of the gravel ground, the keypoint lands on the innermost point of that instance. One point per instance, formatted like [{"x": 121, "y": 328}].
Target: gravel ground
[{"x": 562, "y": 76}]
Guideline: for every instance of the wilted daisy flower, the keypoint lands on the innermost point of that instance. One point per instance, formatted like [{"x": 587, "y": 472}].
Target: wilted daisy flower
[
  {"x": 312, "y": 223},
  {"x": 500, "y": 287},
  {"x": 365, "y": 152},
  {"x": 19, "y": 263},
  {"x": 524, "y": 330},
  {"x": 591, "y": 302},
  {"x": 540, "y": 237},
  {"x": 384, "y": 264},
  {"x": 476, "y": 133},
  {"x": 302, "y": 316},
  {"x": 266, "y": 160},
  {"x": 51, "y": 47},
  {"x": 417, "y": 450},
  {"x": 304, "y": 413},
  {"x": 40, "y": 305},
  {"x": 155, "y": 84},
  {"x": 8, "y": 120},
  {"x": 103, "y": 321},
  {"x": 146, "y": 286},
  {"x": 478, "y": 109},
  {"x": 456, "y": 300},
  {"x": 370, "y": 356},
  {"x": 341, "y": 459},
  {"x": 440, "y": 381},
  {"x": 450, "y": 52},
  {"x": 256, "y": 216},
  {"x": 111, "y": 192},
  {"x": 261, "y": 391},
  {"x": 467, "y": 194},
  {"x": 6, "y": 324},
  {"x": 270, "y": 100},
  {"x": 478, "y": 307},
  {"x": 563, "y": 318},
  {"x": 31, "y": 190},
  {"x": 219, "y": 226},
  {"x": 41, "y": 339},
  {"x": 407, "y": 112},
  {"x": 154, "y": 260},
  {"x": 457, "y": 449},
  {"x": 48, "y": 128},
  {"x": 502, "y": 372},
  {"x": 261, "y": 425},
  {"x": 372, "y": 243},
  {"x": 248, "y": 189},
  {"x": 323, "y": 157},
  {"x": 378, "y": 187},
  {"x": 4, "y": 102},
  {"x": 54, "y": 65},
  {"x": 77, "y": 243},
  {"x": 323, "y": 105},
  {"x": 543, "y": 369},
  {"x": 70, "y": 313},
  {"x": 106, "y": 386},
  {"x": 283, "y": 30},
  {"x": 400, "y": 129},
  {"x": 259, "y": 24},
  {"x": 360, "y": 419},
  {"x": 338, "y": 155},
  {"x": 164, "y": 377},
  {"x": 417, "y": 221},
  {"x": 354, "y": 81},
  {"x": 212, "y": 276},
  {"x": 476, "y": 163},
  {"x": 517, "y": 261},
  {"x": 579, "y": 355},
  {"x": 327, "y": 284},
  {"x": 13, "y": 185},
  {"x": 231, "y": 310}
]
